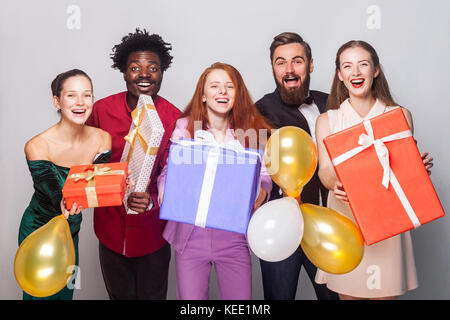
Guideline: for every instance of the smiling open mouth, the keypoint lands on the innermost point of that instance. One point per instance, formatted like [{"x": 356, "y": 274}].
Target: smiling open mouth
[
  {"x": 291, "y": 81},
  {"x": 222, "y": 100},
  {"x": 79, "y": 111},
  {"x": 357, "y": 83},
  {"x": 144, "y": 84}
]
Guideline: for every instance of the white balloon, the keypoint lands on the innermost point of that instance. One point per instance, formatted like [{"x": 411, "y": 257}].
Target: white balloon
[{"x": 276, "y": 229}]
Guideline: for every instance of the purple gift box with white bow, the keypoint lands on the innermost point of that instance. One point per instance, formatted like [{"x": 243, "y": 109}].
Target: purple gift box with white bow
[{"x": 210, "y": 184}]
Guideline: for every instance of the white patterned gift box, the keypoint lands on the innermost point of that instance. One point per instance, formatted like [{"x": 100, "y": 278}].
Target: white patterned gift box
[{"x": 141, "y": 148}]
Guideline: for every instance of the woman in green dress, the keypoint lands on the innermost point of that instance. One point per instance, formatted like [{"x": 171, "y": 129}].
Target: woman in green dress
[{"x": 51, "y": 153}]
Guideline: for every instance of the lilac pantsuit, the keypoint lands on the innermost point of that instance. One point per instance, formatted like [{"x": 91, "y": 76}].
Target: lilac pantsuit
[
  {"x": 228, "y": 251},
  {"x": 198, "y": 249}
]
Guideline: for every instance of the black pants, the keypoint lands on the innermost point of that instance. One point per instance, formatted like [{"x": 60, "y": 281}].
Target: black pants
[
  {"x": 139, "y": 278},
  {"x": 280, "y": 278}
]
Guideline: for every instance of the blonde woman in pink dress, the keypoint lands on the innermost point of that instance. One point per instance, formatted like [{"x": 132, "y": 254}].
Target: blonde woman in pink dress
[{"x": 359, "y": 92}]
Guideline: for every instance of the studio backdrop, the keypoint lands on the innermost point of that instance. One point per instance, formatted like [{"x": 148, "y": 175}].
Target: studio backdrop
[{"x": 40, "y": 39}]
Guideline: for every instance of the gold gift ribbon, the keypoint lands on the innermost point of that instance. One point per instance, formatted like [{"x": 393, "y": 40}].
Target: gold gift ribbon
[
  {"x": 89, "y": 176},
  {"x": 138, "y": 115}
]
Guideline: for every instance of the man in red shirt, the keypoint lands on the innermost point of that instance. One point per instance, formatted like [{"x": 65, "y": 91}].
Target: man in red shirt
[{"x": 134, "y": 257}]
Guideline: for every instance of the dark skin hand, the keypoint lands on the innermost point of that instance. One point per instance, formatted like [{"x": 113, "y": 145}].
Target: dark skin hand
[{"x": 138, "y": 201}]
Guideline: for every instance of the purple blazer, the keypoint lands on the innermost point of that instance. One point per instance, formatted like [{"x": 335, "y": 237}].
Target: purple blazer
[{"x": 178, "y": 233}]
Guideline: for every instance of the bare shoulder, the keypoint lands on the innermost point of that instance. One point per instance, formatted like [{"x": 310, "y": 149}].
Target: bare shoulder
[
  {"x": 322, "y": 123},
  {"x": 323, "y": 117},
  {"x": 408, "y": 117},
  {"x": 106, "y": 140},
  {"x": 37, "y": 148},
  {"x": 406, "y": 112},
  {"x": 102, "y": 137}
]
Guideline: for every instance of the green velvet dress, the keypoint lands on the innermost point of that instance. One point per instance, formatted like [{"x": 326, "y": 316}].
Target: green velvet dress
[{"x": 48, "y": 181}]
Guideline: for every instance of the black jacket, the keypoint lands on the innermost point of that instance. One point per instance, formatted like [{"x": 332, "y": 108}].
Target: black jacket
[{"x": 281, "y": 115}]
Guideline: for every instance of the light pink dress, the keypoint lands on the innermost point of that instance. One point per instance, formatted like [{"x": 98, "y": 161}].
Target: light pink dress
[{"x": 388, "y": 267}]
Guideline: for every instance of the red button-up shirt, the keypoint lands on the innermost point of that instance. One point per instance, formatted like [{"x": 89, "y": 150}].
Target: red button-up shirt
[{"x": 132, "y": 235}]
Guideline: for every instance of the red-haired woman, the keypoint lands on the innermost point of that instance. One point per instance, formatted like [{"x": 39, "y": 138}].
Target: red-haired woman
[
  {"x": 359, "y": 92},
  {"x": 221, "y": 105}
]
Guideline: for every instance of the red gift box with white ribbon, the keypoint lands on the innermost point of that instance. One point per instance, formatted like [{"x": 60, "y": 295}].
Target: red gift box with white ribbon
[{"x": 382, "y": 172}]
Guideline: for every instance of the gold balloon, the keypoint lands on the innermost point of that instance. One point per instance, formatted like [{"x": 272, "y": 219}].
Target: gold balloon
[
  {"x": 331, "y": 241},
  {"x": 291, "y": 159},
  {"x": 42, "y": 262}
]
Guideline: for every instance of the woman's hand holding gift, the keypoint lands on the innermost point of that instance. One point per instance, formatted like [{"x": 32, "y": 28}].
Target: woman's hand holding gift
[
  {"x": 427, "y": 161},
  {"x": 69, "y": 212},
  {"x": 339, "y": 191}
]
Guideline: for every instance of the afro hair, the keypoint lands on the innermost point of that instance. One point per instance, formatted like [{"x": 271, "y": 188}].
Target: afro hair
[{"x": 141, "y": 41}]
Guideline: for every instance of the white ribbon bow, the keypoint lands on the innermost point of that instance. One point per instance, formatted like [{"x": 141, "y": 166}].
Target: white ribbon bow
[
  {"x": 367, "y": 140},
  {"x": 203, "y": 137}
]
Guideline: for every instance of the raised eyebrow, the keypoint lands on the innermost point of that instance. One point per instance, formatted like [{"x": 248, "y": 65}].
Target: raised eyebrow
[
  {"x": 279, "y": 58},
  {"x": 298, "y": 57},
  {"x": 149, "y": 61},
  {"x": 284, "y": 59}
]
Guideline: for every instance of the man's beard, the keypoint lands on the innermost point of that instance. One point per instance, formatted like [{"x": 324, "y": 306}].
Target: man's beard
[{"x": 294, "y": 96}]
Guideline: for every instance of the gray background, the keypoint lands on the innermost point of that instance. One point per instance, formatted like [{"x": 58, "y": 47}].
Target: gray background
[{"x": 39, "y": 39}]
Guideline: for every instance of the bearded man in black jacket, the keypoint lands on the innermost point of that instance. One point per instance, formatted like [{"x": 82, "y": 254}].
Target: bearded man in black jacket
[{"x": 293, "y": 104}]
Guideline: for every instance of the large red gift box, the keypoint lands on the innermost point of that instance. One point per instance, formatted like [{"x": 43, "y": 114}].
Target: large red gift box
[
  {"x": 96, "y": 185},
  {"x": 382, "y": 172}
]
